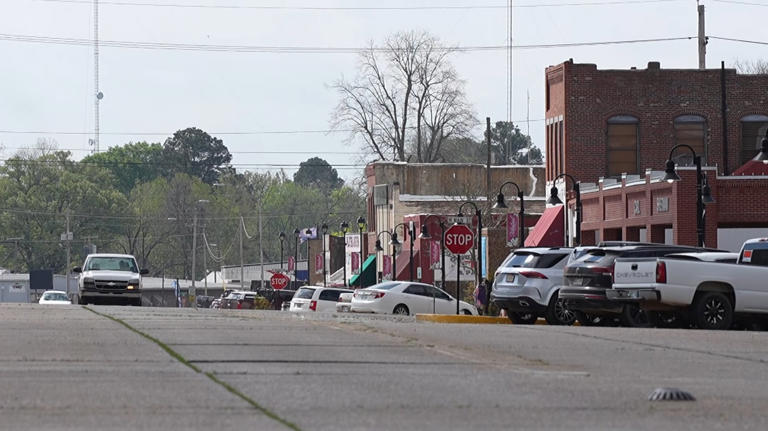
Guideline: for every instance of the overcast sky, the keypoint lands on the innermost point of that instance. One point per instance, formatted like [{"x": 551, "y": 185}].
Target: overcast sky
[{"x": 47, "y": 88}]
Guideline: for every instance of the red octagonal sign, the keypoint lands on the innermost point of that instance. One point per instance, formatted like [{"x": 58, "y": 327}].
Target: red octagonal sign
[
  {"x": 279, "y": 281},
  {"x": 459, "y": 239}
]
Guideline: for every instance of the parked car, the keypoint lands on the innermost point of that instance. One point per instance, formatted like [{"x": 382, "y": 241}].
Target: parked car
[
  {"x": 589, "y": 276},
  {"x": 404, "y": 297},
  {"x": 527, "y": 283},
  {"x": 711, "y": 292},
  {"x": 344, "y": 304},
  {"x": 239, "y": 300},
  {"x": 54, "y": 297},
  {"x": 316, "y": 298}
]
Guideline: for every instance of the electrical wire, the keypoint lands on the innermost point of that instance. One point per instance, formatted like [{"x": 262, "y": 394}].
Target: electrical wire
[{"x": 730, "y": 39}]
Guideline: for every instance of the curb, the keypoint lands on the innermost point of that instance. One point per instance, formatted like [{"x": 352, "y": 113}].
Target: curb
[{"x": 450, "y": 318}]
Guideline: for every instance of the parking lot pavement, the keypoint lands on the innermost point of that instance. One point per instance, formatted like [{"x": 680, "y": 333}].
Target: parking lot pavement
[{"x": 340, "y": 371}]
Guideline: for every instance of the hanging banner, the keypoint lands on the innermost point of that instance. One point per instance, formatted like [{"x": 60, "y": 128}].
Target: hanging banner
[
  {"x": 434, "y": 254},
  {"x": 513, "y": 230},
  {"x": 386, "y": 267},
  {"x": 291, "y": 264},
  {"x": 355, "y": 262},
  {"x": 319, "y": 263}
]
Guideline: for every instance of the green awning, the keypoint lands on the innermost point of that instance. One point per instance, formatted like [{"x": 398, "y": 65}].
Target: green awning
[{"x": 367, "y": 275}]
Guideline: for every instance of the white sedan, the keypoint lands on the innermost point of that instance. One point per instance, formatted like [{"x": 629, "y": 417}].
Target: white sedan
[
  {"x": 404, "y": 297},
  {"x": 54, "y": 297}
]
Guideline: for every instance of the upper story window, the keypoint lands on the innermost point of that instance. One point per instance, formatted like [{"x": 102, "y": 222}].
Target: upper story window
[
  {"x": 691, "y": 130},
  {"x": 753, "y": 129},
  {"x": 622, "y": 145}
]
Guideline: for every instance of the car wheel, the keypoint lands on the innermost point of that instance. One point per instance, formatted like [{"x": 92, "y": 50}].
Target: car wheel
[
  {"x": 466, "y": 312},
  {"x": 558, "y": 312},
  {"x": 523, "y": 318},
  {"x": 401, "y": 309},
  {"x": 713, "y": 310},
  {"x": 635, "y": 317}
]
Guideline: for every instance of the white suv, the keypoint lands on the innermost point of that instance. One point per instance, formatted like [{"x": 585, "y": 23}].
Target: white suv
[
  {"x": 110, "y": 277},
  {"x": 317, "y": 298}
]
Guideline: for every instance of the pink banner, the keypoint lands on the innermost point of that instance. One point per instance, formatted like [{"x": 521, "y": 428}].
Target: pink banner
[
  {"x": 291, "y": 263},
  {"x": 513, "y": 229},
  {"x": 434, "y": 254},
  {"x": 355, "y": 264},
  {"x": 386, "y": 265},
  {"x": 318, "y": 263}
]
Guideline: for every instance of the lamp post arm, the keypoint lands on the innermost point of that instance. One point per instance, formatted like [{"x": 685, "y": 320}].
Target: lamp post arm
[{"x": 672, "y": 151}]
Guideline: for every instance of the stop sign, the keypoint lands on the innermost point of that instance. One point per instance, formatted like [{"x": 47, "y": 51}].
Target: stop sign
[
  {"x": 459, "y": 239},
  {"x": 279, "y": 281}
]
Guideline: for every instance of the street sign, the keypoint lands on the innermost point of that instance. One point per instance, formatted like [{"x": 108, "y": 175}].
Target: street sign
[
  {"x": 459, "y": 239},
  {"x": 279, "y": 281}
]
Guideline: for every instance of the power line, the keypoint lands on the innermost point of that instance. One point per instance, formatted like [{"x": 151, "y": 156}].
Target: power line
[
  {"x": 231, "y": 152},
  {"x": 355, "y": 8},
  {"x": 730, "y": 39},
  {"x": 742, "y": 3},
  {"x": 132, "y": 163},
  {"x": 301, "y": 49}
]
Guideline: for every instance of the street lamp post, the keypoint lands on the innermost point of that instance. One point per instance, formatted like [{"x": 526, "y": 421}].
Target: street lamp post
[
  {"x": 191, "y": 294},
  {"x": 360, "y": 227},
  {"x": 554, "y": 200},
  {"x": 282, "y": 241},
  {"x": 521, "y": 215},
  {"x": 425, "y": 235},
  {"x": 394, "y": 243},
  {"x": 344, "y": 228},
  {"x": 478, "y": 214},
  {"x": 324, "y": 229},
  {"x": 702, "y": 191},
  {"x": 296, "y": 233}
]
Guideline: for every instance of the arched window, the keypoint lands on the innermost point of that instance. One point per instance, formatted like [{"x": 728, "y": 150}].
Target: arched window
[
  {"x": 692, "y": 131},
  {"x": 622, "y": 145},
  {"x": 753, "y": 129}
]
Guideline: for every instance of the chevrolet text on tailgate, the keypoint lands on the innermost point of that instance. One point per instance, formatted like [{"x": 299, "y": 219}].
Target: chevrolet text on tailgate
[{"x": 710, "y": 288}]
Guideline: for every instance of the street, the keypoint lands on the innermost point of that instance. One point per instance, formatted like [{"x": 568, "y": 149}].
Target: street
[{"x": 121, "y": 368}]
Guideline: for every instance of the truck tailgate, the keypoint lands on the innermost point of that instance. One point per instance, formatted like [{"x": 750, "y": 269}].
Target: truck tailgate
[{"x": 634, "y": 272}]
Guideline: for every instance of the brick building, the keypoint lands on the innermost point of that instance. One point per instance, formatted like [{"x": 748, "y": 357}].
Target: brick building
[{"x": 612, "y": 130}]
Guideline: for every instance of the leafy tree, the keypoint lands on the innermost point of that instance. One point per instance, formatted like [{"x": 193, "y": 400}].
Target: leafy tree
[
  {"x": 131, "y": 164},
  {"x": 406, "y": 92},
  {"x": 316, "y": 172},
  {"x": 38, "y": 190},
  {"x": 196, "y": 153}
]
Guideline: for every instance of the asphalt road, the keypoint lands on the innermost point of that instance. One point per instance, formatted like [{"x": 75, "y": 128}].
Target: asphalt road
[{"x": 123, "y": 368}]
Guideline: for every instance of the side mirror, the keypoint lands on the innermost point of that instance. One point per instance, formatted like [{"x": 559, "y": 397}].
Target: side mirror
[
  {"x": 144, "y": 271},
  {"x": 77, "y": 269}
]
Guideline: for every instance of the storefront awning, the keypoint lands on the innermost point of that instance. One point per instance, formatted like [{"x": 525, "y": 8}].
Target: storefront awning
[
  {"x": 367, "y": 276},
  {"x": 548, "y": 231}
]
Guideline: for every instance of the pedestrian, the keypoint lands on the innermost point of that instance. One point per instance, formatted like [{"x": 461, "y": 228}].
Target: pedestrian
[{"x": 480, "y": 295}]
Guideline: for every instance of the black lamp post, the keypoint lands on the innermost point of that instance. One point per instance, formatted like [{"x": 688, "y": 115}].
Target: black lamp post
[
  {"x": 282, "y": 241},
  {"x": 296, "y": 233},
  {"x": 410, "y": 241},
  {"x": 521, "y": 215},
  {"x": 702, "y": 192},
  {"x": 360, "y": 227},
  {"x": 394, "y": 243},
  {"x": 425, "y": 235},
  {"x": 324, "y": 229},
  {"x": 762, "y": 156},
  {"x": 344, "y": 228},
  {"x": 554, "y": 200}
]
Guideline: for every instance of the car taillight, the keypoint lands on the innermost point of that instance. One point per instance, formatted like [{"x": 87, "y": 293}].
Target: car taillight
[
  {"x": 239, "y": 304},
  {"x": 533, "y": 274},
  {"x": 378, "y": 295},
  {"x": 661, "y": 272},
  {"x": 313, "y": 305},
  {"x": 603, "y": 270}
]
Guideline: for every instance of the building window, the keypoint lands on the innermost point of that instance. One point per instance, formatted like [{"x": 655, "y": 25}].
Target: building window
[
  {"x": 691, "y": 130},
  {"x": 622, "y": 145},
  {"x": 753, "y": 128}
]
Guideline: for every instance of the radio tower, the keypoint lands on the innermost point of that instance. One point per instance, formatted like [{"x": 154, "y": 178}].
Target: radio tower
[{"x": 98, "y": 94}]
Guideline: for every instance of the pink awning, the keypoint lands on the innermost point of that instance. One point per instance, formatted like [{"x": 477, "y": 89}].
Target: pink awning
[{"x": 548, "y": 231}]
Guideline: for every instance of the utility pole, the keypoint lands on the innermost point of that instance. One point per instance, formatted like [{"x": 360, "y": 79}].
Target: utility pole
[
  {"x": 242, "y": 272},
  {"x": 98, "y": 95},
  {"x": 488, "y": 166},
  {"x": 191, "y": 292},
  {"x": 68, "y": 236},
  {"x": 702, "y": 38},
  {"x": 261, "y": 250}
]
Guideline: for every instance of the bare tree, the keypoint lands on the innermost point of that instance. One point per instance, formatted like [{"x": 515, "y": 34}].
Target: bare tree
[
  {"x": 406, "y": 94},
  {"x": 756, "y": 67}
]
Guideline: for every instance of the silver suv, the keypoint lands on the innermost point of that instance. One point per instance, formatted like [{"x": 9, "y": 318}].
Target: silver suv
[{"x": 527, "y": 285}]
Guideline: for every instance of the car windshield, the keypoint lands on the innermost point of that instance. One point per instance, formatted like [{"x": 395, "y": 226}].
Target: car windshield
[
  {"x": 305, "y": 293},
  {"x": 384, "y": 286},
  {"x": 56, "y": 296},
  {"x": 111, "y": 263},
  {"x": 534, "y": 260}
]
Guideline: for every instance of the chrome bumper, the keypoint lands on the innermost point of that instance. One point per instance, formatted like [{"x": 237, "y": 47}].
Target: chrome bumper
[{"x": 632, "y": 295}]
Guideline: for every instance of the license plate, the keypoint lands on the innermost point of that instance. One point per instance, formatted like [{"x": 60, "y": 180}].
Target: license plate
[
  {"x": 509, "y": 278},
  {"x": 578, "y": 281}
]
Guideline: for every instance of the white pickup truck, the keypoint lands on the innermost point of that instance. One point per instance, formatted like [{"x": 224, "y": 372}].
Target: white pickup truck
[
  {"x": 110, "y": 278},
  {"x": 709, "y": 291}
]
